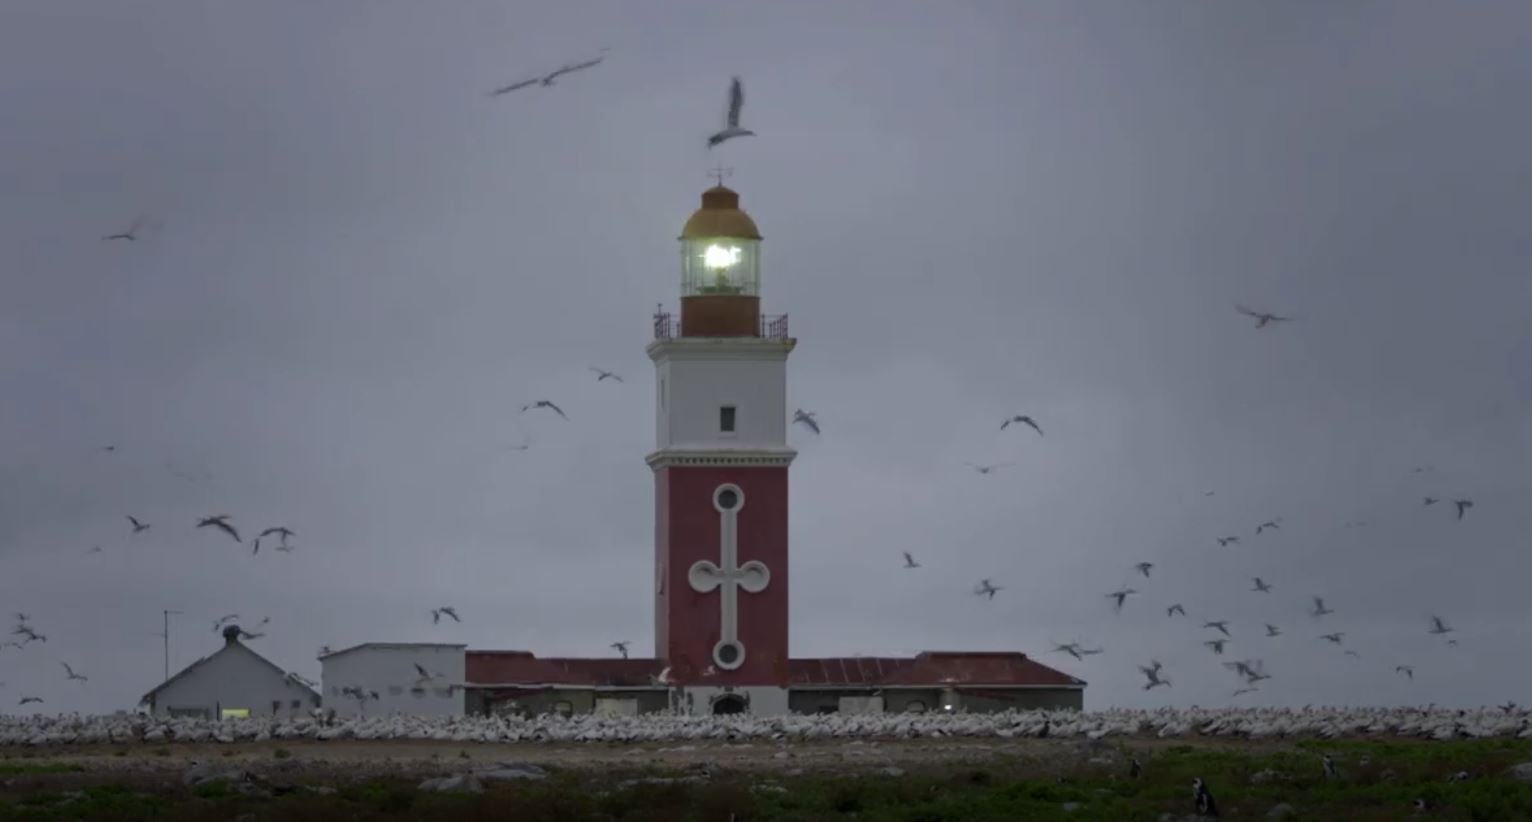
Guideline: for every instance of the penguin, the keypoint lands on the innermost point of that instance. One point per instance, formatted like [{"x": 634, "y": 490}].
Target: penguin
[{"x": 1203, "y": 798}]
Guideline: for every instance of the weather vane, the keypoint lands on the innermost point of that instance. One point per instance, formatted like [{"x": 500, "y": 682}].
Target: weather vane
[{"x": 720, "y": 173}]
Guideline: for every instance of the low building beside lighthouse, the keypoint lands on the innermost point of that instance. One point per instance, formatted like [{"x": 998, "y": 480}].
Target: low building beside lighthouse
[{"x": 721, "y": 579}]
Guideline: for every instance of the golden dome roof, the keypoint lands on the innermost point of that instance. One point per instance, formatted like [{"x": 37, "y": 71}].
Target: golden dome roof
[{"x": 720, "y": 216}]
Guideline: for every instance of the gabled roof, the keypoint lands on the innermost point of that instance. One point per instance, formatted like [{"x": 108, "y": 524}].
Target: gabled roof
[
  {"x": 931, "y": 669},
  {"x": 393, "y": 645},
  {"x": 227, "y": 648}
]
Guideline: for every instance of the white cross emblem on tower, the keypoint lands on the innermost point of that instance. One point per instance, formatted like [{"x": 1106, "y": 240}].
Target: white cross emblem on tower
[{"x": 753, "y": 577}]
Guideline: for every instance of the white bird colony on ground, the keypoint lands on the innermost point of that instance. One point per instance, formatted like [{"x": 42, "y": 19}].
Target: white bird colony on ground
[{"x": 1428, "y": 723}]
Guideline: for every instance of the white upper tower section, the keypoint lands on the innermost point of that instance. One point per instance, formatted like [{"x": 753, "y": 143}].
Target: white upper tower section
[{"x": 721, "y": 371}]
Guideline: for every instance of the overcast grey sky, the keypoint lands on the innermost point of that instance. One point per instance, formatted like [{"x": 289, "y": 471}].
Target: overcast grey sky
[{"x": 366, "y": 266}]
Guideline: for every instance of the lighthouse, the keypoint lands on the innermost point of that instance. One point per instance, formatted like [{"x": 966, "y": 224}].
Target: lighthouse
[{"x": 720, "y": 473}]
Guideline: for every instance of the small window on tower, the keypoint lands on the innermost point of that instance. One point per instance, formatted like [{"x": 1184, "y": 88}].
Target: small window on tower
[{"x": 726, "y": 419}]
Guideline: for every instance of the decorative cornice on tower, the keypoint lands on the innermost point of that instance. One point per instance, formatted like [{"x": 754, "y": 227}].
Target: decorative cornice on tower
[
  {"x": 730, "y": 348},
  {"x": 743, "y": 457}
]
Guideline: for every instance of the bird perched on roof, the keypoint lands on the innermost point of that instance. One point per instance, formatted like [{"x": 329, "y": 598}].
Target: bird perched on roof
[
  {"x": 605, "y": 375},
  {"x": 445, "y": 610},
  {"x": 1175, "y": 609},
  {"x": 1121, "y": 595},
  {"x": 548, "y": 404},
  {"x": 621, "y": 647},
  {"x": 807, "y": 419},
  {"x": 732, "y": 127},
  {"x": 1262, "y": 318},
  {"x": 1143, "y": 568},
  {"x": 221, "y": 522},
  {"x": 71, "y": 673},
  {"x": 1220, "y": 625},
  {"x": 1152, "y": 672},
  {"x": 1024, "y": 420},
  {"x": 1261, "y": 585},
  {"x": 1463, "y": 505},
  {"x": 137, "y": 526},
  {"x": 909, "y": 561},
  {"x": 547, "y": 79},
  {"x": 987, "y": 587}
]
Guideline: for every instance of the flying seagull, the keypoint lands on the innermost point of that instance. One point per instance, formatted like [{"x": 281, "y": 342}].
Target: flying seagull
[
  {"x": 1261, "y": 585},
  {"x": 26, "y": 699},
  {"x": 1261, "y": 317},
  {"x": 131, "y": 235},
  {"x": 243, "y": 634},
  {"x": 1429, "y": 501},
  {"x": 1216, "y": 644},
  {"x": 987, "y": 587},
  {"x": 72, "y": 675},
  {"x": 1143, "y": 568},
  {"x": 425, "y": 675},
  {"x": 1267, "y": 524},
  {"x": 1121, "y": 595},
  {"x": 281, "y": 530},
  {"x": 1175, "y": 609},
  {"x": 547, "y": 79},
  {"x": 1335, "y": 637},
  {"x": 1152, "y": 671},
  {"x": 1272, "y": 630},
  {"x": 1071, "y": 648},
  {"x": 1221, "y": 625},
  {"x": 544, "y": 404},
  {"x": 1227, "y": 541},
  {"x": 221, "y": 522},
  {"x": 985, "y": 469},
  {"x": 1319, "y": 607},
  {"x": 1024, "y": 420},
  {"x": 137, "y": 526},
  {"x": 621, "y": 647},
  {"x": 605, "y": 375},
  {"x": 807, "y": 418},
  {"x": 1242, "y": 691},
  {"x": 909, "y": 561},
  {"x": 1463, "y": 505},
  {"x": 732, "y": 129},
  {"x": 1440, "y": 626},
  {"x": 437, "y": 613}
]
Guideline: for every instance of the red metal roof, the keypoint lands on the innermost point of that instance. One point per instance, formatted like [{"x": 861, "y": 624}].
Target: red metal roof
[{"x": 929, "y": 669}]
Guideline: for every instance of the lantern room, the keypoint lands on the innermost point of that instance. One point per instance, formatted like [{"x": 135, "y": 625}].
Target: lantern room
[{"x": 720, "y": 269}]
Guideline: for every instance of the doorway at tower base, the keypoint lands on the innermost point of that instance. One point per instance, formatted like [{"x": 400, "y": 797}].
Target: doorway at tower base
[{"x": 711, "y": 701}]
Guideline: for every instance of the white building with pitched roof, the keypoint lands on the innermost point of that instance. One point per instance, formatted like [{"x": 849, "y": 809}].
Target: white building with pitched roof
[{"x": 233, "y": 681}]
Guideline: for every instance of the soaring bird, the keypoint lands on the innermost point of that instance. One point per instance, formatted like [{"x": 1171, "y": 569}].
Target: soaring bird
[
  {"x": 1319, "y": 607},
  {"x": 621, "y": 647},
  {"x": 544, "y": 404},
  {"x": 547, "y": 79},
  {"x": 1261, "y": 585},
  {"x": 1429, "y": 501},
  {"x": 1175, "y": 609},
  {"x": 72, "y": 675},
  {"x": 281, "y": 530},
  {"x": 1215, "y": 644},
  {"x": 1463, "y": 505},
  {"x": 1261, "y": 317},
  {"x": 31, "y": 635},
  {"x": 1152, "y": 671},
  {"x": 243, "y": 634},
  {"x": 987, "y": 587},
  {"x": 1272, "y": 524},
  {"x": 807, "y": 418},
  {"x": 1335, "y": 637},
  {"x": 1247, "y": 690},
  {"x": 605, "y": 375},
  {"x": 425, "y": 675},
  {"x": 445, "y": 610},
  {"x": 131, "y": 235},
  {"x": 1071, "y": 648},
  {"x": 1121, "y": 596},
  {"x": 1353, "y": 653},
  {"x": 1440, "y": 626},
  {"x": 1089, "y": 651},
  {"x": 1220, "y": 625},
  {"x": 1024, "y": 420},
  {"x": 221, "y": 522},
  {"x": 1272, "y": 630},
  {"x": 1143, "y": 568},
  {"x": 909, "y": 561},
  {"x": 26, "y": 699},
  {"x": 732, "y": 128},
  {"x": 1224, "y": 542},
  {"x": 985, "y": 469},
  {"x": 137, "y": 526}
]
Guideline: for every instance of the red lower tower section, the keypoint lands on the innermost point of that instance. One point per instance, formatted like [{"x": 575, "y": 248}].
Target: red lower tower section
[{"x": 687, "y": 622}]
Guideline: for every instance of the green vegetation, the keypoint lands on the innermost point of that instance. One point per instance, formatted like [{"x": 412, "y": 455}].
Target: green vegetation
[
  {"x": 1378, "y": 781},
  {"x": 17, "y": 769}
]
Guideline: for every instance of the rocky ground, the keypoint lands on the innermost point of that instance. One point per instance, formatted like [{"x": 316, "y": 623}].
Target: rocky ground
[{"x": 941, "y": 779}]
